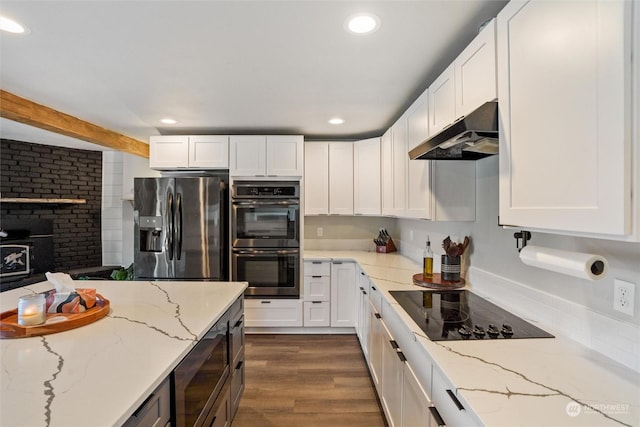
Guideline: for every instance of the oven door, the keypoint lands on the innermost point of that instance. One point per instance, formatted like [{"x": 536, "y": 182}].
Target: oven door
[
  {"x": 200, "y": 377},
  {"x": 270, "y": 273},
  {"x": 266, "y": 224}
]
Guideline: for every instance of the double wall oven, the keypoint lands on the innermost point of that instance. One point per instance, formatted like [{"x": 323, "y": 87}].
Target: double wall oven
[{"x": 265, "y": 235}]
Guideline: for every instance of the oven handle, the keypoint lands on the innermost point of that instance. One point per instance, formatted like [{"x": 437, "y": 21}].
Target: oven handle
[
  {"x": 268, "y": 203},
  {"x": 266, "y": 251}
]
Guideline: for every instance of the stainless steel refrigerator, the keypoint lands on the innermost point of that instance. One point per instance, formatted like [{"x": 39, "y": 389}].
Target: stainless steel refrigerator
[{"x": 181, "y": 228}]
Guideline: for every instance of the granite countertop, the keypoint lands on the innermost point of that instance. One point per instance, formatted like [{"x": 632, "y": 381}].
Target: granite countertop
[
  {"x": 100, "y": 373},
  {"x": 525, "y": 382}
]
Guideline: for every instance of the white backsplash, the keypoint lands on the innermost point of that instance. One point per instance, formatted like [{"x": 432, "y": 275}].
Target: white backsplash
[{"x": 112, "y": 223}]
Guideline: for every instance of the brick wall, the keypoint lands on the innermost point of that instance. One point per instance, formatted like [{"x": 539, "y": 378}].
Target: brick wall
[{"x": 41, "y": 171}]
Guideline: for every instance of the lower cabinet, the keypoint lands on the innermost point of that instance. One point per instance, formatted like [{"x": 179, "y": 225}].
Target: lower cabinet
[
  {"x": 362, "y": 316},
  {"x": 415, "y": 402},
  {"x": 376, "y": 342},
  {"x": 449, "y": 405},
  {"x": 273, "y": 313},
  {"x": 392, "y": 379},
  {"x": 343, "y": 294},
  {"x": 156, "y": 411},
  {"x": 317, "y": 313},
  {"x": 222, "y": 408}
]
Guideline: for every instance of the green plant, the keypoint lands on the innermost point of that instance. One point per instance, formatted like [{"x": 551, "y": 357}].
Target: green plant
[{"x": 123, "y": 273}]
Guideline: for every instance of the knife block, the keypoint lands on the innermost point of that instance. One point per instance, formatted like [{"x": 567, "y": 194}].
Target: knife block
[{"x": 388, "y": 247}]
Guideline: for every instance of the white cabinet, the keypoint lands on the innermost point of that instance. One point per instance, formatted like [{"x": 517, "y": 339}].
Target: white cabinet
[
  {"x": 189, "y": 151},
  {"x": 316, "y": 178},
  {"x": 341, "y": 178},
  {"x": 400, "y": 158},
  {"x": 475, "y": 72},
  {"x": 272, "y": 312},
  {"x": 418, "y": 171},
  {"x": 392, "y": 379},
  {"x": 376, "y": 342},
  {"x": 266, "y": 156},
  {"x": 442, "y": 101},
  {"x": 386, "y": 170},
  {"x": 317, "y": 293},
  {"x": 366, "y": 177},
  {"x": 449, "y": 404},
  {"x": 415, "y": 401},
  {"x": 343, "y": 294},
  {"x": 329, "y": 178},
  {"x": 362, "y": 317},
  {"x": 565, "y": 78}
]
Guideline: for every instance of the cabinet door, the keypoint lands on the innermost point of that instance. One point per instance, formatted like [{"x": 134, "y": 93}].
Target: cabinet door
[
  {"x": 475, "y": 72},
  {"x": 564, "y": 78},
  {"x": 386, "y": 168},
  {"x": 415, "y": 401},
  {"x": 316, "y": 178},
  {"x": 317, "y": 288},
  {"x": 418, "y": 192},
  {"x": 400, "y": 156},
  {"x": 366, "y": 177},
  {"x": 343, "y": 294},
  {"x": 442, "y": 101},
  {"x": 285, "y": 155},
  {"x": 376, "y": 337},
  {"x": 209, "y": 151},
  {"x": 392, "y": 373},
  {"x": 272, "y": 312},
  {"x": 363, "y": 325},
  {"x": 247, "y": 155},
  {"x": 341, "y": 178},
  {"x": 168, "y": 152}
]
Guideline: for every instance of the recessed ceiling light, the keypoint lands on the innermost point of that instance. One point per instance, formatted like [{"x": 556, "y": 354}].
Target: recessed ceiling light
[
  {"x": 11, "y": 26},
  {"x": 168, "y": 121},
  {"x": 362, "y": 23},
  {"x": 336, "y": 121}
]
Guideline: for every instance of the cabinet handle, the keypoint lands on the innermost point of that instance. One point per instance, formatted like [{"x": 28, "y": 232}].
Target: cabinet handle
[
  {"x": 394, "y": 344},
  {"x": 455, "y": 400},
  {"x": 239, "y": 365},
  {"x": 373, "y": 288},
  {"x": 364, "y": 292},
  {"x": 362, "y": 273},
  {"x": 361, "y": 288},
  {"x": 436, "y": 415},
  {"x": 316, "y": 302},
  {"x": 337, "y": 262},
  {"x": 316, "y": 262},
  {"x": 317, "y": 277},
  {"x": 401, "y": 356},
  {"x": 378, "y": 316},
  {"x": 238, "y": 323},
  {"x": 265, "y": 302},
  {"x": 143, "y": 404}
]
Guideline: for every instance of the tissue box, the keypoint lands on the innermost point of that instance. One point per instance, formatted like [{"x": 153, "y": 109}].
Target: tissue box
[{"x": 82, "y": 299}]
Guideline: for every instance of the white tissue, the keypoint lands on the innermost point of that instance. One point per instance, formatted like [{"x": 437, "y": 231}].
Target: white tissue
[
  {"x": 577, "y": 264},
  {"x": 62, "y": 281}
]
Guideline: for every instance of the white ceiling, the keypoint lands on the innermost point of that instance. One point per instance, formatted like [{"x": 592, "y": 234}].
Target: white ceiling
[{"x": 230, "y": 66}]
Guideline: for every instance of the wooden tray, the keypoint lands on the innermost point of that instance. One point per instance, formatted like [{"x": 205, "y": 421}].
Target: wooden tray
[
  {"x": 56, "y": 322},
  {"x": 436, "y": 282}
]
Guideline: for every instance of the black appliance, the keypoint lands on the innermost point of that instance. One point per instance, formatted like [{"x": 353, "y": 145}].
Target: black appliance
[
  {"x": 463, "y": 315},
  {"x": 181, "y": 227},
  {"x": 265, "y": 234},
  {"x": 200, "y": 380},
  {"x": 26, "y": 251}
]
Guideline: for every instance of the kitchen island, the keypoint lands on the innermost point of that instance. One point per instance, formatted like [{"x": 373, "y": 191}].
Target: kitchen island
[
  {"x": 512, "y": 382},
  {"x": 99, "y": 374}
]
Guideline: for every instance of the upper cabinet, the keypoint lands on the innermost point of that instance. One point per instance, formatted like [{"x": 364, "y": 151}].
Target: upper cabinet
[
  {"x": 467, "y": 83},
  {"x": 418, "y": 192},
  {"x": 366, "y": 177},
  {"x": 316, "y": 178},
  {"x": 386, "y": 171},
  {"x": 328, "y": 180},
  {"x": 266, "y": 156},
  {"x": 189, "y": 151},
  {"x": 569, "y": 135},
  {"x": 341, "y": 178}
]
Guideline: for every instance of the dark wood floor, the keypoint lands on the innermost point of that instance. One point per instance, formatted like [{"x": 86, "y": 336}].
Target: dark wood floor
[{"x": 307, "y": 380}]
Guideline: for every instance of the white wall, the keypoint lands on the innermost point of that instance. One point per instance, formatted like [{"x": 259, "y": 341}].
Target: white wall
[{"x": 112, "y": 208}]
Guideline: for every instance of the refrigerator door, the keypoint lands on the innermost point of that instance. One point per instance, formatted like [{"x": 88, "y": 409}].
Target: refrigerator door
[
  {"x": 154, "y": 244},
  {"x": 200, "y": 224}
]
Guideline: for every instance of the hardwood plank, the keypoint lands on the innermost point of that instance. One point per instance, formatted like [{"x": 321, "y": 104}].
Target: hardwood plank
[
  {"x": 22, "y": 110},
  {"x": 307, "y": 380}
]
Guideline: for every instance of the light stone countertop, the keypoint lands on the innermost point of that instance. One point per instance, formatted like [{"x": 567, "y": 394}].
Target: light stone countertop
[
  {"x": 520, "y": 382},
  {"x": 98, "y": 374}
]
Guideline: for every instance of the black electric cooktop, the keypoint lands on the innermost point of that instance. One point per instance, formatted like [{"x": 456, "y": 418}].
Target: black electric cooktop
[{"x": 462, "y": 315}]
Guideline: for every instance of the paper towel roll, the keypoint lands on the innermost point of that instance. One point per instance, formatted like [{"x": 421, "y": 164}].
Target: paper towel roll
[{"x": 578, "y": 264}]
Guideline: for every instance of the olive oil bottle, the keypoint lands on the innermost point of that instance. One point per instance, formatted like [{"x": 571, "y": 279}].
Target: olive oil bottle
[{"x": 427, "y": 261}]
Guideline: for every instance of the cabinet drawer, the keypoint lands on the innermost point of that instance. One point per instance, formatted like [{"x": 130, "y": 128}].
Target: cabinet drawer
[
  {"x": 237, "y": 384},
  {"x": 375, "y": 297},
  {"x": 236, "y": 335},
  {"x": 317, "y": 268},
  {"x": 272, "y": 313},
  {"x": 317, "y": 313},
  {"x": 448, "y": 404},
  {"x": 156, "y": 411},
  {"x": 317, "y": 288}
]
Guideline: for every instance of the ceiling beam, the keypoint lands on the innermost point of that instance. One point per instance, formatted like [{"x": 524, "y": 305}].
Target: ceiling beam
[{"x": 22, "y": 110}]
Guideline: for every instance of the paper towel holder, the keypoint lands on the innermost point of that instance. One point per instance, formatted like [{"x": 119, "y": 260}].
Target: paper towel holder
[{"x": 522, "y": 237}]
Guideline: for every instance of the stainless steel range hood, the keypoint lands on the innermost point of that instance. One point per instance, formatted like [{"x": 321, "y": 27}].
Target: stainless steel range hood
[{"x": 471, "y": 137}]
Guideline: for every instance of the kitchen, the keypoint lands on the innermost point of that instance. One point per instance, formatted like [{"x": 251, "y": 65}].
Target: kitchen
[{"x": 580, "y": 309}]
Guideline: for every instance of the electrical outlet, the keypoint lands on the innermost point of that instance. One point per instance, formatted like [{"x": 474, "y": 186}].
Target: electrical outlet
[
  {"x": 320, "y": 231},
  {"x": 624, "y": 296}
]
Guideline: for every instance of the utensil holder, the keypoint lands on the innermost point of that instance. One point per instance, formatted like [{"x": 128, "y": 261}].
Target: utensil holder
[
  {"x": 388, "y": 247},
  {"x": 450, "y": 268}
]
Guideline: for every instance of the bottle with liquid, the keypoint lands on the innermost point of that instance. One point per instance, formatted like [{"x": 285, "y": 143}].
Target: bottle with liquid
[{"x": 427, "y": 261}]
